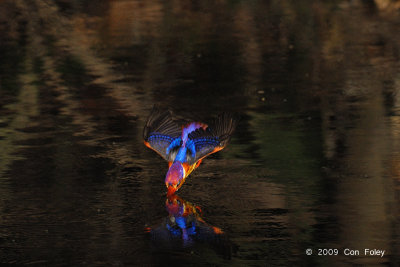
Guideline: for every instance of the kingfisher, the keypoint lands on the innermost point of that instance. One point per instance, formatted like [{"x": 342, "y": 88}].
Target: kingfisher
[{"x": 185, "y": 147}]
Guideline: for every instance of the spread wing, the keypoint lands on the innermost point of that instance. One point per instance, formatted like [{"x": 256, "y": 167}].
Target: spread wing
[
  {"x": 160, "y": 131},
  {"x": 202, "y": 143}
]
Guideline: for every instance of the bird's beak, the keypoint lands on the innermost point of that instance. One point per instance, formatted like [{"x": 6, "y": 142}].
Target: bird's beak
[{"x": 171, "y": 190}]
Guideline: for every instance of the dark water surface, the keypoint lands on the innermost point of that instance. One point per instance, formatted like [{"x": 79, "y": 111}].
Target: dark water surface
[{"x": 314, "y": 163}]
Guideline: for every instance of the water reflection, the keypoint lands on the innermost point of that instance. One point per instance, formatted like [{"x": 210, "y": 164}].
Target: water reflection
[
  {"x": 184, "y": 225},
  {"x": 314, "y": 163}
]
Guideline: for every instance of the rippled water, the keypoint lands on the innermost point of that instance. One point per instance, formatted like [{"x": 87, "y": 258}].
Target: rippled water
[{"x": 314, "y": 162}]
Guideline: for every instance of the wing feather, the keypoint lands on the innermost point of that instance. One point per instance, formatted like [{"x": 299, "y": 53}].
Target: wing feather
[
  {"x": 213, "y": 138},
  {"x": 160, "y": 131}
]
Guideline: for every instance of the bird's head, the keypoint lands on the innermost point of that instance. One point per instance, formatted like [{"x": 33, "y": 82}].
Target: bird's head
[{"x": 175, "y": 177}]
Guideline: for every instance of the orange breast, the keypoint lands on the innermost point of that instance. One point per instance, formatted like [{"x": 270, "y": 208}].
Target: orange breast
[{"x": 189, "y": 168}]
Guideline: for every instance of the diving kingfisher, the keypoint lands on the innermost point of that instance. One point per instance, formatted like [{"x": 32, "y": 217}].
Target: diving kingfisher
[{"x": 185, "y": 147}]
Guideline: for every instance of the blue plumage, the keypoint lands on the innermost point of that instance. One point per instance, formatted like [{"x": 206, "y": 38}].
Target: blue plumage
[
  {"x": 175, "y": 143},
  {"x": 185, "y": 147}
]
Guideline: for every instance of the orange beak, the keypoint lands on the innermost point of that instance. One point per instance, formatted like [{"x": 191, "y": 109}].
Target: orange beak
[{"x": 171, "y": 191}]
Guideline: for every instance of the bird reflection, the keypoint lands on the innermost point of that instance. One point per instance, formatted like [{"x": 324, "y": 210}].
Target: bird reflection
[{"x": 184, "y": 225}]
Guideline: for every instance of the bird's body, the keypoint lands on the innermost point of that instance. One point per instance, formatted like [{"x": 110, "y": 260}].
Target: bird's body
[{"x": 185, "y": 147}]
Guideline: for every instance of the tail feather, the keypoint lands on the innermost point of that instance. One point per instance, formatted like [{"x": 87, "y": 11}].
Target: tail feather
[{"x": 193, "y": 126}]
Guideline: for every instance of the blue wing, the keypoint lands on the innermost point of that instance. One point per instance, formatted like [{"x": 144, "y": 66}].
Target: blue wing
[
  {"x": 202, "y": 142},
  {"x": 160, "y": 132}
]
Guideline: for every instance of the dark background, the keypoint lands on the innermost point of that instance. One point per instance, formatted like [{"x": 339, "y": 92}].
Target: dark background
[{"x": 314, "y": 162}]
